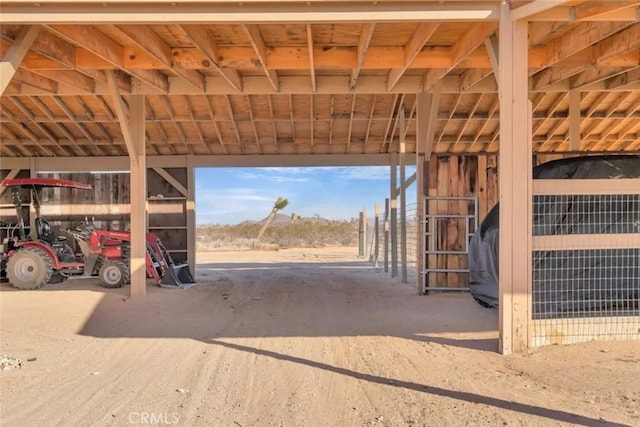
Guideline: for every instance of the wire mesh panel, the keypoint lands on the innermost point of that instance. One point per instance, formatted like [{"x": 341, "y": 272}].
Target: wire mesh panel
[
  {"x": 585, "y": 266},
  {"x": 412, "y": 241}
]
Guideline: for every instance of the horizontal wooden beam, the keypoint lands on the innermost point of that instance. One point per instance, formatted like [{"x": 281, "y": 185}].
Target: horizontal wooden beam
[
  {"x": 245, "y": 12},
  {"x": 586, "y": 186},
  {"x": 586, "y": 241}
]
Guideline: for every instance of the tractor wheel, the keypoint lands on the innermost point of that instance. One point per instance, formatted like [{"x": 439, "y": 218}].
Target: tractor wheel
[
  {"x": 114, "y": 274},
  {"x": 29, "y": 268},
  {"x": 57, "y": 277}
]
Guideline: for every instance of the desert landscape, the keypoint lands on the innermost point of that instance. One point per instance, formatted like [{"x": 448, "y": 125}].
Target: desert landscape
[{"x": 293, "y": 337}]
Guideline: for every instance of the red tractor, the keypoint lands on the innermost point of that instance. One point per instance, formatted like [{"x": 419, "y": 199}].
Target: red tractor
[{"x": 50, "y": 258}]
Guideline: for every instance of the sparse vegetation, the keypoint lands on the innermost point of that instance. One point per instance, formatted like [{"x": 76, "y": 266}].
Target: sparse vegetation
[{"x": 302, "y": 232}]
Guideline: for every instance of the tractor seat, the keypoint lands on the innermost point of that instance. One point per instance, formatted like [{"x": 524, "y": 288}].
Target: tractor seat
[{"x": 43, "y": 229}]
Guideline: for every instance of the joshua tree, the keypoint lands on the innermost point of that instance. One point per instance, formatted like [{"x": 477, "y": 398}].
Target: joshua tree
[
  {"x": 294, "y": 217},
  {"x": 277, "y": 206}
]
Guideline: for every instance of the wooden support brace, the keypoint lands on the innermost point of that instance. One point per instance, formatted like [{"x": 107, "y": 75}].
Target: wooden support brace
[
  {"x": 16, "y": 53},
  {"x": 171, "y": 180}
]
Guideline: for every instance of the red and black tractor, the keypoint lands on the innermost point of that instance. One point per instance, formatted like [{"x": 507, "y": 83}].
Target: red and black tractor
[{"x": 50, "y": 257}]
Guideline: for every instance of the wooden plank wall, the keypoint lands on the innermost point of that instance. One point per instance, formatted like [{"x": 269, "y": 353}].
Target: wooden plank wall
[{"x": 458, "y": 176}]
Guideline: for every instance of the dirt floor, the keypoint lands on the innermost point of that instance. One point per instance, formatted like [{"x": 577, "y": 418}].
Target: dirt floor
[{"x": 299, "y": 337}]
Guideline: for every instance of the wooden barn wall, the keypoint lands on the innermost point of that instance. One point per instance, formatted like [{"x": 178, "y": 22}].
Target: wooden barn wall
[
  {"x": 107, "y": 205},
  {"x": 458, "y": 176}
]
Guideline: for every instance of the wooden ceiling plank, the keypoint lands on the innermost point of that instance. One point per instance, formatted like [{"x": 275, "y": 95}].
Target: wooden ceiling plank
[
  {"x": 363, "y": 45},
  {"x": 593, "y": 75},
  {"x": 40, "y": 126},
  {"x": 67, "y": 111},
  {"x": 260, "y": 48},
  {"x": 331, "y": 110},
  {"x": 470, "y": 41},
  {"x": 311, "y": 120},
  {"x": 206, "y": 43},
  {"x": 34, "y": 80},
  {"x": 179, "y": 130},
  {"x": 26, "y": 132},
  {"x": 418, "y": 39}
]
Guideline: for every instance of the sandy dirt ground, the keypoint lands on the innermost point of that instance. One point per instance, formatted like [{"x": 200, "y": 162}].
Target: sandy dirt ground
[{"x": 298, "y": 337}]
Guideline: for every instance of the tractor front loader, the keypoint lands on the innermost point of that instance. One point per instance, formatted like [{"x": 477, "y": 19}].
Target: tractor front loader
[{"x": 31, "y": 263}]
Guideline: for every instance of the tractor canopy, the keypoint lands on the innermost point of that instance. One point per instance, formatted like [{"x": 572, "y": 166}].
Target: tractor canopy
[{"x": 43, "y": 183}]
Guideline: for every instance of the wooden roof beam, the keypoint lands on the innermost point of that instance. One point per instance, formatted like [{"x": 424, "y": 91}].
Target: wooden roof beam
[
  {"x": 67, "y": 111},
  {"x": 470, "y": 41},
  {"x": 109, "y": 50},
  {"x": 535, "y": 7},
  {"x": 352, "y": 112},
  {"x": 623, "y": 80},
  {"x": 363, "y": 45},
  {"x": 259, "y": 46},
  {"x": 421, "y": 35},
  {"x": 249, "y": 12},
  {"x": 29, "y": 134},
  {"x": 178, "y": 126},
  {"x": 312, "y": 68},
  {"x": 206, "y": 43},
  {"x": 18, "y": 50},
  {"x": 70, "y": 77},
  {"x": 580, "y": 38},
  {"x": 592, "y": 9},
  {"x": 247, "y": 99},
  {"x": 212, "y": 117},
  {"x": 154, "y": 46},
  {"x": 233, "y": 122},
  {"x": 273, "y": 123}
]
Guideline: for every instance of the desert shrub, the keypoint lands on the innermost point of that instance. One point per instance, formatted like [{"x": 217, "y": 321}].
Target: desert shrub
[{"x": 301, "y": 233}]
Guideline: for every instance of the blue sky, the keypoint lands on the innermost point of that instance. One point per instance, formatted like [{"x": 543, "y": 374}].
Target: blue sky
[{"x": 233, "y": 195}]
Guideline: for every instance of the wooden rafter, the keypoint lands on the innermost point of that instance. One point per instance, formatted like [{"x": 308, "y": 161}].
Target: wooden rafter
[
  {"x": 312, "y": 67},
  {"x": 253, "y": 122},
  {"x": 413, "y": 47},
  {"x": 152, "y": 44},
  {"x": 233, "y": 123},
  {"x": 212, "y": 117},
  {"x": 363, "y": 45},
  {"x": 107, "y": 50},
  {"x": 475, "y": 106},
  {"x": 40, "y": 126},
  {"x": 206, "y": 43},
  {"x": 331, "y": 110},
  {"x": 291, "y": 118},
  {"x": 470, "y": 41},
  {"x": 177, "y": 125},
  {"x": 351, "y": 113},
  {"x": 259, "y": 46},
  {"x": 273, "y": 123},
  {"x": 592, "y": 9},
  {"x": 67, "y": 111},
  {"x": 16, "y": 53}
]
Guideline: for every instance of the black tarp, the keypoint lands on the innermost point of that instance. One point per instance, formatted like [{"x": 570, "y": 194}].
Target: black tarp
[{"x": 578, "y": 281}]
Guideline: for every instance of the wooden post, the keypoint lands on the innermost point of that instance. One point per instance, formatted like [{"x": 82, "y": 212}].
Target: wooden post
[
  {"x": 361, "y": 234},
  {"x": 376, "y": 232},
  {"x": 386, "y": 235},
  {"x": 365, "y": 248},
  {"x": 420, "y": 223},
  {"x": 574, "y": 120},
  {"x": 191, "y": 214},
  {"x": 403, "y": 199},
  {"x": 515, "y": 180},
  {"x": 138, "y": 188},
  {"x": 394, "y": 215}
]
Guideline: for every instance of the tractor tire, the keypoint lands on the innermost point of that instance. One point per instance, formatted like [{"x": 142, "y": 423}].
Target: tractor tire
[
  {"x": 114, "y": 274},
  {"x": 57, "y": 277},
  {"x": 29, "y": 268}
]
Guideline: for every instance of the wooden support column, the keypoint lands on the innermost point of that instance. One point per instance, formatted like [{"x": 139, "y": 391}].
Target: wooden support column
[
  {"x": 420, "y": 223},
  {"x": 138, "y": 186},
  {"x": 16, "y": 53},
  {"x": 403, "y": 199},
  {"x": 515, "y": 181},
  {"x": 191, "y": 214},
  {"x": 132, "y": 124},
  {"x": 393, "y": 215},
  {"x": 386, "y": 235}
]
